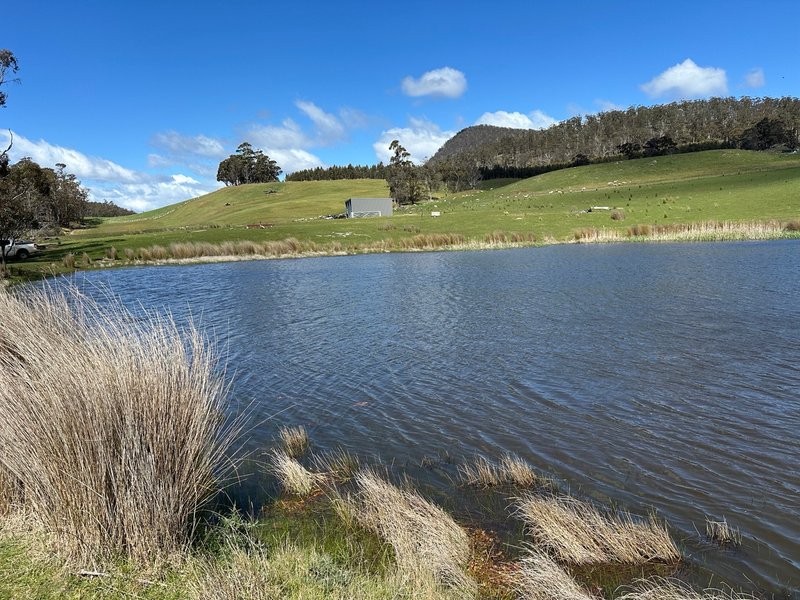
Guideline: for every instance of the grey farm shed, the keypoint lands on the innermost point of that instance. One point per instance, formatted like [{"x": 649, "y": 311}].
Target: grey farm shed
[{"x": 368, "y": 207}]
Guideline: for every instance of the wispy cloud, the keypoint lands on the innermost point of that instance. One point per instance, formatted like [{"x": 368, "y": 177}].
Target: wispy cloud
[
  {"x": 107, "y": 180},
  {"x": 516, "y": 120},
  {"x": 443, "y": 83},
  {"x": 607, "y": 105},
  {"x": 177, "y": 144},
  {"x": 289, "y": 144},
  {"x": 754, "y": 79},
  {"x": 421, "y": 138},
  {"x": 328, "y": 128},
  {"x": 687, "y": 80}
]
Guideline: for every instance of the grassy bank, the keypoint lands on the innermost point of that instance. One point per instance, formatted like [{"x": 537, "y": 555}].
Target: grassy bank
[
  {"x": 715, "y": 195},
  {"x": 114, "y": 443}
]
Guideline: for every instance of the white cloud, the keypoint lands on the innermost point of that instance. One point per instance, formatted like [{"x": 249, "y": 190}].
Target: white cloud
[
  {"x": 107, "y": 180},
  {"x": 287, "y": 135},
  {"x": 755, "y": 78},
  {"x": 445, "y": 83},
  {"x": 181, "y": 145},
  {"x": 286, "y": 144},
  {"x": 421, "y": 138},
  {"x": 687, "y": 80},
  {"x": 294, "y": 159},
  {"x": 517, "y": 120},
  {"x": 329, "y": 129},
  {"x": 147, "y": 196},
  {"x": 607, "y": 105},
  {"x": 81, "y": 165}
]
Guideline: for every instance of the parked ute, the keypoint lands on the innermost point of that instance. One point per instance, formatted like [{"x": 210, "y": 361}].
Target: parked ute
[{"x": 18, "y": 248}]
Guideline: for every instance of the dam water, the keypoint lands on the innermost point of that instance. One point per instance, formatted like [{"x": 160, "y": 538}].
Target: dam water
[{"x": 660, "y": 377}]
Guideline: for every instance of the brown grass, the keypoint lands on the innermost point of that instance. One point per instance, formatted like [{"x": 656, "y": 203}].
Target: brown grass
[
  {"x": 723, "y": 534},
  {"x": 294, "y": 477},
  {"x": 577, "y": 533},
  {"x": 339, "y": 465},
  {"x": 658, "y": 588},
  {"x": 511, "y": 470},
  {"x": 112, "y": 425},
  {"x": 294, "y": 440},
  {"x": 541, "y": 578},
  {"x": 427, "y": 542}
]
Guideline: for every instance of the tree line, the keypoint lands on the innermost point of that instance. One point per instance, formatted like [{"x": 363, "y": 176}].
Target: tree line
[{"x": 687, "y": 126}]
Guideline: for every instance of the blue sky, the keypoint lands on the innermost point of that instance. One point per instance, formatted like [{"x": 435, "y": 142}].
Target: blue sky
[{"x": 142, "y": 99}]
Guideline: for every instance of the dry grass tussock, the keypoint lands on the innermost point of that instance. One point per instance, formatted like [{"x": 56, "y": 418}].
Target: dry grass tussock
[
  {"x": 658, "y": 588},
  {"x": 511, "y": 470},
  {"x": 577, "y": 533},
  {"x": 541, "y": 578},
  {"x": 293, "y": 476},
  {"x": 111, "y": 424},
  {"x": 339, "y": 465},
  {"x": 722, "y": 533},
  {"x": 427, "y": 542},
  {"x": 294, "y": 440}
]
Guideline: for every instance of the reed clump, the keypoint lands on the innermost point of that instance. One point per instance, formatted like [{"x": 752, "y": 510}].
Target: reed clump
[
  {"x": 427, "y": 542},
  {"x": 294, "y": 440},
  {"x": 112, "y": 425},
  {"x": 577, "y": 533},
  {"x": 541, "y": 578},
  {"x": 294, "y": 477},
  {"x": 340, "y": 465},
  {"x": 511, "y": 470},
  {"x": 720, "y": 532},
  {"x": 659, "y": 588}
]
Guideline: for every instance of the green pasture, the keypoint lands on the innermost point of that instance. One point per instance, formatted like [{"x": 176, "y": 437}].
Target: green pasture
[{"x": 719, "y": 185}]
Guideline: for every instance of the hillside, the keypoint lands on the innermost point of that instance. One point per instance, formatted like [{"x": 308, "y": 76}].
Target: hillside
[
  {"x": 266, "y": 203},
  {"x": 746, "y": 123},
  {"x": 666, "y": 192}
]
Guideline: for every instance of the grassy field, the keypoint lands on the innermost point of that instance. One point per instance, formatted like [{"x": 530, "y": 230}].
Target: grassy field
[{"x": 723, "y": 185}]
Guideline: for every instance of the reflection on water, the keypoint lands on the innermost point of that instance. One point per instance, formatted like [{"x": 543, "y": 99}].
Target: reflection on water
[{"x": 662, "y": 376}]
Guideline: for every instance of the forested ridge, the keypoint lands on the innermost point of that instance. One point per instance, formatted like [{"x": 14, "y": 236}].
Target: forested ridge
[{"x": 750, "y": 123}]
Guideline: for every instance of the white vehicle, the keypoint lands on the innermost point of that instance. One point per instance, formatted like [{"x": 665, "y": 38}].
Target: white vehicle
[{"x": 18, "y": 248}]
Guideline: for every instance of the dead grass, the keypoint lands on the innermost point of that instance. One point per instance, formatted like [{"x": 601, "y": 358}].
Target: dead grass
[
  {"x": 426, "y": 541},
  {"x": 480, "y": 473},
  {"x": 339, "y": 465},
  {"x": 294, "y": 440},
  {"x": 577, "y": 533},
  {"x": 542, "y": 578},
  {"x": 511, "y": 470},
  {"x": 658, "y": 588},
  {"x": 112, "y": 425},
  {"x": 294, "y": 477},
  {"x": 723, "y": 534}
]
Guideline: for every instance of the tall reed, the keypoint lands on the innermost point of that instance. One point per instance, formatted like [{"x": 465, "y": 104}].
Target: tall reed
[{"x": 113, "y": 425}]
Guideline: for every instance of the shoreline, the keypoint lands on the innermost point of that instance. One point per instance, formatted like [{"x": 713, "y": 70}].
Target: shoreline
[{"x": 291, "y": 248}]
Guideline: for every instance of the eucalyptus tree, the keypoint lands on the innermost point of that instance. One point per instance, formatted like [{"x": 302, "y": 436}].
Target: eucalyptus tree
[{"x": 248, "y": 166}]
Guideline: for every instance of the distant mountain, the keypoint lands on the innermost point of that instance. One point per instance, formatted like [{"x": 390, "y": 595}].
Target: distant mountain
[{"x": 751, "y": 123}]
